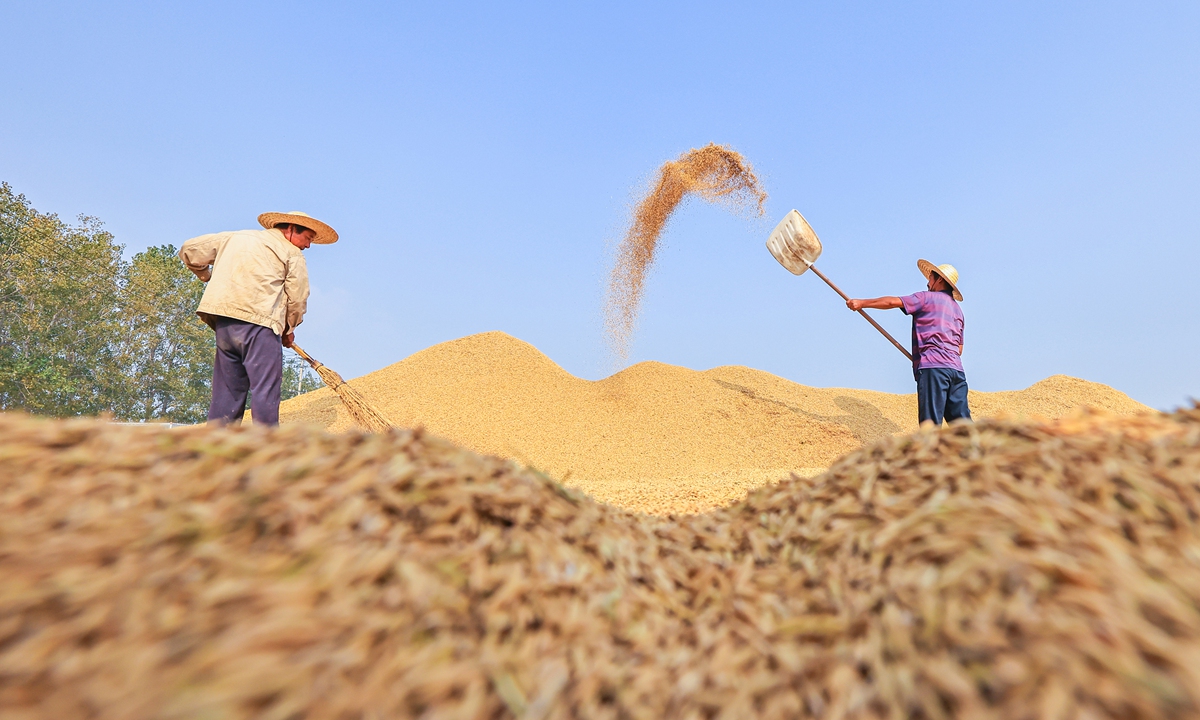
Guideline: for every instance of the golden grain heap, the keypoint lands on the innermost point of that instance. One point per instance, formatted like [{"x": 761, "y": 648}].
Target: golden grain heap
[
  {"x": 1004, "y": 569},
  {"x": 654, "y": 437},
  {"x": 713, "y": 173}
]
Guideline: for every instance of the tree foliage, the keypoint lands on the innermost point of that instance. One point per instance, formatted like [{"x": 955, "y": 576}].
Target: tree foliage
[
  {"x": 83, "y": 331},
  {"x": 298, "y": 377},
  {"x": 164, "y": 349},
  {"x": 59, "y": 311}
]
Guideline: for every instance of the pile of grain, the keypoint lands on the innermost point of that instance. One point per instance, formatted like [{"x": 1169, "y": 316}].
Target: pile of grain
[
  {"x": 1005, "y": 569},
  {"x": 653, "y": 438},
  {"x": 714, "y": 173}
]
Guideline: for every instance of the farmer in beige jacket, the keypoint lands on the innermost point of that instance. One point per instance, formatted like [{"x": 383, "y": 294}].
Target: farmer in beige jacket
[{"x": 256, "y": 296}]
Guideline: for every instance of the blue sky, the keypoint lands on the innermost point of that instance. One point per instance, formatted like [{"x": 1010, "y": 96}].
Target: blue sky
[{"x": 479, "y": 161}]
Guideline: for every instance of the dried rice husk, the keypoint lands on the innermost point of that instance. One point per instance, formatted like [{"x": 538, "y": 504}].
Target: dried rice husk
[{"x": 1004, "y": 569}]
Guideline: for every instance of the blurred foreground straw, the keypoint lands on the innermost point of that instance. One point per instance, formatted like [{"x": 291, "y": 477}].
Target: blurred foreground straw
[{"x": 362, "y": 412}]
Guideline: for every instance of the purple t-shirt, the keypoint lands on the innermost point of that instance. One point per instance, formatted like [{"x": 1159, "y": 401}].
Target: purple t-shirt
[{"x": 937, "y": 329}]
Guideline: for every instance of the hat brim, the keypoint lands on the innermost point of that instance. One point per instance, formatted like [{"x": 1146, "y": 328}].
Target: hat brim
[
  {"x": 927, "y": 267},
  {"x": 325, "y": 234}
]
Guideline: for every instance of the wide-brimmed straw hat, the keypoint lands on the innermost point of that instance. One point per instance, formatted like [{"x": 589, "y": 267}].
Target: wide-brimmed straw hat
[
  {"x": 947, "y": 273},
  {"x": 325, "y": 234}
]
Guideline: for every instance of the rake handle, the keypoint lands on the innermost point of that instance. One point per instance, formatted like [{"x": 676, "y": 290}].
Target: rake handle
[
  {"x": 867, "y": 317},
  {"x": 333, "y": 379},
  {"x": 308, "y": 358}
]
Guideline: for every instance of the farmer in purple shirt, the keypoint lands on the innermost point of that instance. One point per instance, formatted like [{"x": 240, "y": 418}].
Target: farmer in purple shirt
[{"x": 937, "y": 337}]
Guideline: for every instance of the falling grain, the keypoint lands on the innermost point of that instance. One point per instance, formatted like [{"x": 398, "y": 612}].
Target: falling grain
[{"x": 713, "y": 173}]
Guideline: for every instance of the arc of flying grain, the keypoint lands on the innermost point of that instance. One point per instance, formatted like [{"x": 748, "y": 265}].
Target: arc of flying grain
[{"x": 715, "y": 174}]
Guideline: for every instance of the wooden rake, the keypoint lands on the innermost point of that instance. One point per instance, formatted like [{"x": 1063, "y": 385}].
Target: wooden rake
[{"x": 362, "y": 412}]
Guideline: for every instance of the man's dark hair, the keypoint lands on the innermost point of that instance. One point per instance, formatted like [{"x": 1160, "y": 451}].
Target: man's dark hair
[
  {"x": 949, "y": 289},
  {"x": 284, "y": 225}
]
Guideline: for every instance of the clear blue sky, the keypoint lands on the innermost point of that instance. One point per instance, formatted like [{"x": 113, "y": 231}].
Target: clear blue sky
[{"x": 479, "y": 161}]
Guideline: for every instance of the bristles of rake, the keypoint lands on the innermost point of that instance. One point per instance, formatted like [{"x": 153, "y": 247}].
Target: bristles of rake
[{"x": 363, "y": 413}]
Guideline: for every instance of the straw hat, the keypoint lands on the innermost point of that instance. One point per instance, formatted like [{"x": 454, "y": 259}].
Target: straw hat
[
  {"x": 947, "y": 273},
  {"x": 325, "y": 234}
]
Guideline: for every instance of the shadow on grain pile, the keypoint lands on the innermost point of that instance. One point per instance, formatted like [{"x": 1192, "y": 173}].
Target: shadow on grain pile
[{"x": 1006, "y": 569}]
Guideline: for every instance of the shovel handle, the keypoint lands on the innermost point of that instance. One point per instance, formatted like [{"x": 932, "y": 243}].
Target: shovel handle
[{"x": 868, "y": 318}]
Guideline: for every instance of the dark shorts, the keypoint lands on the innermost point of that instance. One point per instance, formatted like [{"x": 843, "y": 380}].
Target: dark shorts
[
  {"x": 249, "y": 360},
  {"x": 942, "y": 392}
]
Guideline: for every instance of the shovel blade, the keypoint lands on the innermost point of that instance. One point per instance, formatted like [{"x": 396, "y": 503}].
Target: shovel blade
[{"x": 794, "y": 244}]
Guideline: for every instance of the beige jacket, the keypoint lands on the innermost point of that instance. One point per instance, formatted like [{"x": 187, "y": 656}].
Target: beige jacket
[{"x": 256, "y": 276}]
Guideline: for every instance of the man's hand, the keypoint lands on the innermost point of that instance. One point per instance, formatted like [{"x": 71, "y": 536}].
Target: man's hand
[
  {"x": 289, "y": 339},
  {"x": 856, "y": 305}
]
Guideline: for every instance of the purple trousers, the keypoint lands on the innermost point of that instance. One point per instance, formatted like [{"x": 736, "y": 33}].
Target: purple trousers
[{"x": 249, "y": 359}]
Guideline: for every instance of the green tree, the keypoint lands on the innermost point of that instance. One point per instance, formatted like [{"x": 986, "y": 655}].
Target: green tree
[
  {"x": 84, "y": 332},
  {"x": 59, "y": 312},
  {"x": 165, "y": 350},
  {"x": 298, "y": 377}
]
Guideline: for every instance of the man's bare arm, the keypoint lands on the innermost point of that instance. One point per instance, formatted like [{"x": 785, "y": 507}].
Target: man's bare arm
[{"x": 888, "y": 302}]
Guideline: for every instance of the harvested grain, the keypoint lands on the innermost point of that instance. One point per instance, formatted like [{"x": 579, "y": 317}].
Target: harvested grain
[
  {"x": 714, "y": 173},
  {"x": 1005, "y": 569},
  {"x": 653, "y": 438}
]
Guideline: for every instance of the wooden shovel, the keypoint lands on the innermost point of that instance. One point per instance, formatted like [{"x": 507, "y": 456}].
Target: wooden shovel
[{"x": 796, "y": 247}]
